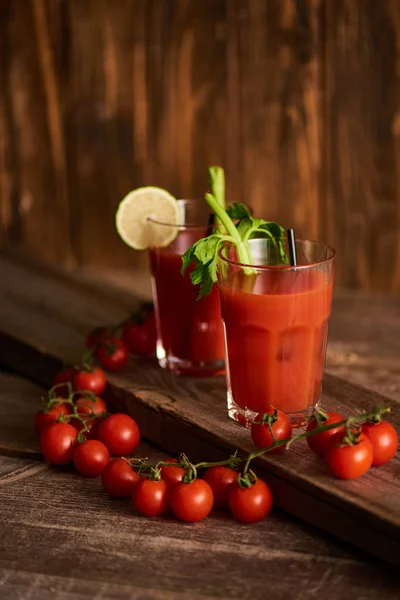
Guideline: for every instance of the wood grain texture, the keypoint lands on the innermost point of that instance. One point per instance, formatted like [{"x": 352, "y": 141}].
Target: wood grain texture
[
  {"x": 297, "y": 99},
  {"x": 190, "y": 415},
  {"x": 362, "y": 148},
  {"x": 281, "y": 80},
  {"x": 108, "y": 545},
  {"x": 18, "y": 405},
  {"x": 35, "y": 210},
  {"x": 105, "y": 550}
]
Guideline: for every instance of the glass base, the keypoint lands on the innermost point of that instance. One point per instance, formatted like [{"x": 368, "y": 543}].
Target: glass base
[
  {"x": 245, "y": 417},
  {"x": 185, "y": 367}
]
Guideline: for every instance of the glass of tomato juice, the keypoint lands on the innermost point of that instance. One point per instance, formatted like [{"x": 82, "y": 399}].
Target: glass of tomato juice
[
  {"x": 190, "y": 339},
  {"x": 276, "y": 325}
]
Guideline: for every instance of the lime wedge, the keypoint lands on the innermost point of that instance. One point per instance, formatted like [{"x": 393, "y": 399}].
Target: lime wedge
[{"x": 135, "y": 210}]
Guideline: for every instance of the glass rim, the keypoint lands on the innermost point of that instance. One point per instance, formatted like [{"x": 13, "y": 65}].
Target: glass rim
[
  {"x": 184, "y": 226},
  {"x": 278, "y": 267}
]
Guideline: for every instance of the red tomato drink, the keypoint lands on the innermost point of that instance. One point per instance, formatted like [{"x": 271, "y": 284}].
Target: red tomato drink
[
  {"x": 276, "y": 335},
  {"x": 190, "y": 333}
]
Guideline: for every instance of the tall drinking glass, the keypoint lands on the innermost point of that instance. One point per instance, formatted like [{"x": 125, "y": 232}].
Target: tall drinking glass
[
  {"x": 190, "y": 334},
  {"x": 276, "y": 324}
]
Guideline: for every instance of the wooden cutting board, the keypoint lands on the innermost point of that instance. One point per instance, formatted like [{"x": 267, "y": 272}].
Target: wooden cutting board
[{"x": 44, "y": 317}]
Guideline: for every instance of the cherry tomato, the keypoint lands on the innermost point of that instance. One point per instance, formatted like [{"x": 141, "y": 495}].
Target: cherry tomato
[
  {"x": 349, "y": 461},
  {"x": 112, "y": 354},
  {"x": 120, "y": 433},
  {"x": 97, "y": 335},
  {"x": 87, "y": 406},
  {"x": 56, "y": 443},
  {"x": 92, "y": 381},
  {"x": 150, "y": 498},
  {"x": 320, "y": 441},
  {"x": 172, "y": 475},
  {"x": 91, "y": 457},
  {"x": 384, "y": 440},
  {"x": 65, "y": 376},
  {"x": 252, "y": 504},
  {"x": 191, "y": 502},
  {"x": 220, "y": 479},
  {"x": 118, "y": 478},
  {"x": 282, "y": 428},
  {"x": 141, "y": 337},
  {"x": 90, "y": 426},
  {"x": 45, "y": 418}
]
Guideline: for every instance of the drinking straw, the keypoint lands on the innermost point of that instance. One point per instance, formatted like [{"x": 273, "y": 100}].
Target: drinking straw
[
  {"x": 210, "y": 224},
  {"x": 292, "y": 247}
]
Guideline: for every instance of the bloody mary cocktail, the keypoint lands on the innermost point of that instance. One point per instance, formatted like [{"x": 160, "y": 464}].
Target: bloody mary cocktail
[
  {"x": 190, "y": 333},
  {"x": 276, "y": 325}
]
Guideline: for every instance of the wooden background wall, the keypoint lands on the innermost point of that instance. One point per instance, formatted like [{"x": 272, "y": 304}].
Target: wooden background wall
[{"x": 298, "y": 99}]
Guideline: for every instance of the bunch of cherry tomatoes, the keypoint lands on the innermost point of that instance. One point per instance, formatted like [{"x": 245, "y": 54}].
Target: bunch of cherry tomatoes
[
  {"x": 349, "y": 446},
  {"x": 77, "y": 429},
  {"x": 74, "y": 426}
]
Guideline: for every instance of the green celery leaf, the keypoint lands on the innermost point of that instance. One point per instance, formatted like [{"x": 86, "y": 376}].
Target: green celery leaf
[
  {"x": 238, "y": 211},
  {"x": 244, "y": 226},
  {"x": 189, "y": 256},
  {"x": 206, "y": 249},
  {"x": 206, "y": 287},
  {"x": 275, "y": 229},
  {"x": 198, "y": 273}
]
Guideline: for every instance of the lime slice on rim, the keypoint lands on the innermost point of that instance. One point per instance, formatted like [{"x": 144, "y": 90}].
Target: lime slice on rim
[{"x": 135, "y": 210}]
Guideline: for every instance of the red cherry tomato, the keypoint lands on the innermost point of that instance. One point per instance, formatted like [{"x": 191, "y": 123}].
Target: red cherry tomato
[
  {"x": 112, "y": 354},
  {"x": 320, "y": 441},
  {"x": 95, "y": 406},
  {"x": 91, "y": 457},
  {"x": 172, "y": 475},
  {"x": 349, "y": 461},
  {"x": 118, "y": 478},
  {"x": 282, "y": 428},
  {"x": 89, "y": 426},
  {"x": 384, "y": 440},
  {"x": 92, "y": 381},
  {"x": 252, "y": 504},
  {"x": 46, "y": 418},
  {"x": 57, "y": 443},
  {"x": 220, "y": 479},
  {"x": 97, "y": 335},
  {"x": 87, "y": 406},
  {"x": 150, "y": 498},
  {"x": 120, "y": 433},
  {"x": 191, "y": 502},
  {"x": 65, "y": 376},
  {"x": 141, "y": 337}
]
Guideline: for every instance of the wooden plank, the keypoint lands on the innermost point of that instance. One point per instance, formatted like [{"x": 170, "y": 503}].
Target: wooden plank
[
  {"x": 19, "y": 401},
  {"x": 188, "y": 414},
  {"x": 94, "y": 551},
  {"x": 298, "y": 100},
  {"x": 362, "y": 141},
  {"x": 105, "y": 543},
  {"x": 35, "y": 209},
  {"x": 281, "y": 113},
  {"x": 146, "y": 93},
  {"x": 364, "y": 340}
]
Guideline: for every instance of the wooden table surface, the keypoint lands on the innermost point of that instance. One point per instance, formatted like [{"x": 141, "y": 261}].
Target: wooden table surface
[{"x": 63, "y": 537}]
